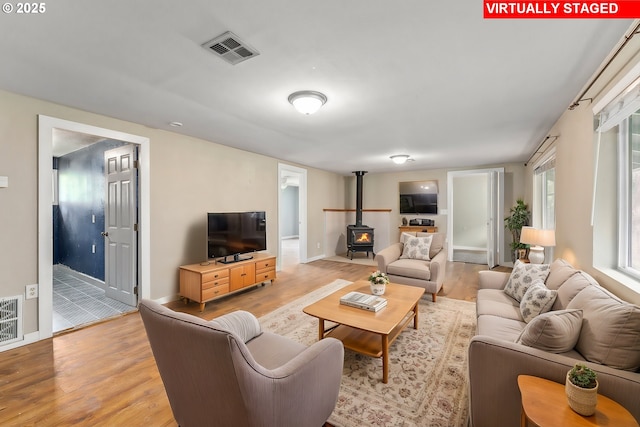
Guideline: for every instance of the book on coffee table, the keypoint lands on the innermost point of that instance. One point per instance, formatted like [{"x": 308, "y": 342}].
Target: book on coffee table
[{"x": 363, "y": 301}]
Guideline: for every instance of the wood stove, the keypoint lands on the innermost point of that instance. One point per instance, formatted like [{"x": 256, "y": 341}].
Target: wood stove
[{"x": 359, "y": 236}]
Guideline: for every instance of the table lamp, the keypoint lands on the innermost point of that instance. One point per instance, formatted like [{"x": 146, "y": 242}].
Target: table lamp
[{"x": 538, "y": 239}]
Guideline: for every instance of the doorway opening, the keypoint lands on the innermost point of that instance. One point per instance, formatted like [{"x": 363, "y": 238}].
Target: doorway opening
[
  {"x": 82, "y": 203},
  {"x": 86, "y": 266},
  {"x": 292, "y": 205},
  {"x": 475, "y": 204}
]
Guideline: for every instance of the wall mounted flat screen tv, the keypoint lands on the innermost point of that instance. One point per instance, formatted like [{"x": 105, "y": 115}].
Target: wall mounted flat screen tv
[
  {"x": 418, "y": 203},
  {"x": 230, "y": 234},
  {"x": 420, "y": 197}
]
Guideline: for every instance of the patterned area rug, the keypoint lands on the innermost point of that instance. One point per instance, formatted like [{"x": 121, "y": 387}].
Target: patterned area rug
[{"x": 428, "y": 374}]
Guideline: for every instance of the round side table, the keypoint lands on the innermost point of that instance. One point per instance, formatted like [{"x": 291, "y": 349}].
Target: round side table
[{"x": 544, "y": 403}]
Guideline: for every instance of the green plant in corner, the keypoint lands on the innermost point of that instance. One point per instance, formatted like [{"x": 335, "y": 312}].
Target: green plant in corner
[
  {"x": 583, "y": 376},
  {"x": 519, "y": 217}
]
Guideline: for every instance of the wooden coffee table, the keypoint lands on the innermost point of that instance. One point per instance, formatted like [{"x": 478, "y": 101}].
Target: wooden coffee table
[{"x": 364, "y": 331}]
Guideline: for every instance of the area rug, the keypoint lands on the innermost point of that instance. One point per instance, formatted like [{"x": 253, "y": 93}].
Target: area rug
[{"x": 428, "y": 380}]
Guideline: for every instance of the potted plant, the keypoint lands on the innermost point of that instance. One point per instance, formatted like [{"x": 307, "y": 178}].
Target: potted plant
[
  {"x": 518, "y": 218},
  {"x": 581, "y": 388},
  {"x": 378, "y": 282}
]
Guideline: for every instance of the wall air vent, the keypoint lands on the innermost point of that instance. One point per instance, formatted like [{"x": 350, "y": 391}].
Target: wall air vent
[
  {"x": 10, "y": 319},
  {"x": 229, "y": 47}
]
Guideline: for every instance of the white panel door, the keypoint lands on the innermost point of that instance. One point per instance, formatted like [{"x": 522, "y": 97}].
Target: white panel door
[{"x": 120, "y": 224}]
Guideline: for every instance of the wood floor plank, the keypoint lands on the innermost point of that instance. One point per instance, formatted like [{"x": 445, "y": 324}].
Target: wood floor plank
[{"x": 105, "y": 374}]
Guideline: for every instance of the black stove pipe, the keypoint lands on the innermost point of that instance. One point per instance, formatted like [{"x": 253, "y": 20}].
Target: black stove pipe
[{"x": 359, "y": 175}]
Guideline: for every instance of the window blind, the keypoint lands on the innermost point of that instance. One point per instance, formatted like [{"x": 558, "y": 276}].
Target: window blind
[
  {"x": 549, "y": 164},
  {"x": 627, "y": 103}
]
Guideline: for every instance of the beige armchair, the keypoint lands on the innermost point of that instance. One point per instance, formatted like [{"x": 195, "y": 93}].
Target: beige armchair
[
  {"x": 228, "y": 372},
  {"x": 427, "y": 274}
]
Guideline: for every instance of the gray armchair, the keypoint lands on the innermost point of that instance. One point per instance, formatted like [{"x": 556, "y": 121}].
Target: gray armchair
[{"x": 228, "y": 372}]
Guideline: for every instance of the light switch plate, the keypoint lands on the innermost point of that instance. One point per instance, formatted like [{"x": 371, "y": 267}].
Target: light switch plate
[{"x": 4, "y": 181}]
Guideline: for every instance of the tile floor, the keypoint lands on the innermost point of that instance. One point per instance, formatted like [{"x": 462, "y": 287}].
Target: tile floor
[
  {"x": 77, "y": 302},
  {"x": 290, "y": 252}
]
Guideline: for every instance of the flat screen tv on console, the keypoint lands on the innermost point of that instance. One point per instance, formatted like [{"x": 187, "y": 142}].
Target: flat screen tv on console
[{"x": 231, "y": 234}]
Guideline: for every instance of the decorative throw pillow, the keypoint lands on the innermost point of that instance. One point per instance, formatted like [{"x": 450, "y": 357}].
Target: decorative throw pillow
[
  {"x": 555, "y": 331},
  {"x": 537, "y": 300},
  {"x": 522, "y": 276},
  {"x": 610, "y": 333},
  {"x": 417, "y": 248},
  {"x": 241, "y": 323},
  {"x": 404, "y": 236}
]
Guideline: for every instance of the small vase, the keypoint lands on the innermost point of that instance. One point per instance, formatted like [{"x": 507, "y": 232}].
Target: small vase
[
  {"x": 581, "y": 400},
  {"x": 378, "y": 288}
]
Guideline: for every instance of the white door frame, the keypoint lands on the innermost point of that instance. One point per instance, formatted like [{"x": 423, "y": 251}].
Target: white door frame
[
  {"x": 46, "y": 125},
  {"x": 302, "y": 211},
  {"x": 497, "y": 209}
]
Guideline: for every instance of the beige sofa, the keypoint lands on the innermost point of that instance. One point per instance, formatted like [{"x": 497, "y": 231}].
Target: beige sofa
[
  {"x": 408, "y": 270},
  {"x": 605, "y": 336}
]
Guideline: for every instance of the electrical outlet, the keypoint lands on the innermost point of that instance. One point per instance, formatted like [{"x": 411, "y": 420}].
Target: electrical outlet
[
  {"x": 31, "y": 291},
  {"x": 318, "y": 245}
]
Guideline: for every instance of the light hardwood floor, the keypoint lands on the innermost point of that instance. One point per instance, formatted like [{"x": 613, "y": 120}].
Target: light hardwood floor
[{"x": 105, "y": 374}]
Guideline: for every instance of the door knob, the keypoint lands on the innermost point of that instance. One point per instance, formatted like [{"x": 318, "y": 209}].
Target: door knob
[{"x": 105, "y": 234}]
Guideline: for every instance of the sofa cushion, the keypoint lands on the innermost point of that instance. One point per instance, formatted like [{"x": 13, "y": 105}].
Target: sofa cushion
[
  {"x": 437, "y": 242},
  {"x": 537, "y": 300},
  {"x": 241, "y": 323},
  {"x": 497, "y": 303},
  {"x": 414, "y": 268},
  {"x": 610, "y": 333},
  {"x": 555, "y": 331},
  {"x": 417, "y": 248},
  {"x": 559, "y": 271},
  {"x": 499, "y": 327},
  {"x": 522, "y": 276},
  {"x": 272, "y": 351},
  {"x": 570, "y": 289}
]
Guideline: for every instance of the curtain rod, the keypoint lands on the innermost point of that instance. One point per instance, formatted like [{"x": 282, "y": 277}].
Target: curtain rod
[
  {"x": 537, "y": 151},
  {"x": 595, "y": 79}
]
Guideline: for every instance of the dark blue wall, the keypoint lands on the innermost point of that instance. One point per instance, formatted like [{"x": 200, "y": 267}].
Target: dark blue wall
[
  {"x": 81, "y": 191},
  {"x": 56, "y": 221}
]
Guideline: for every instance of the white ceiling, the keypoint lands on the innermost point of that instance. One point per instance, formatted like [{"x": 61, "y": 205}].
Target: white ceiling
[{"x": 430, "y": 79}]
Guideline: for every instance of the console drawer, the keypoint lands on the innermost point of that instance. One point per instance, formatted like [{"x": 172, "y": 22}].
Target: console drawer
[
  {"x": 265, "y": 274},
  {"x": 213, "y": 275},
  {"x": 214, "y": 292},
  {"x": 216, "y": 282},
  {"x": 267, "y": 263}
]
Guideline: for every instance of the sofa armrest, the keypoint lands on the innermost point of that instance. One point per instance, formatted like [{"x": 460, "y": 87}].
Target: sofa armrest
[
  {"x": 488, "y": 279},
  {"x": 388, "y": 255},
  {"x": 438, "y": 267},
  {"x": 494, "y": 366}
]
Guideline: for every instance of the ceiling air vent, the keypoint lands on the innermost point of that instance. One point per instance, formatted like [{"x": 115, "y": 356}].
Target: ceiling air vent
[{"x": 229, "y": 47}]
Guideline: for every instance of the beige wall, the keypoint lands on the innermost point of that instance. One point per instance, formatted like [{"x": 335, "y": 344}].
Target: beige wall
[
  {"x": 189, "y": 177},
  {"x": 575, "y": 240},
  {"x": 381, "y": 191}
]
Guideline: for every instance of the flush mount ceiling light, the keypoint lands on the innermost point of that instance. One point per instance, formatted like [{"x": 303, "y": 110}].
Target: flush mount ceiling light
[
  {"x": 307, "y": 101},
  {"x": 399, "y": 159}
]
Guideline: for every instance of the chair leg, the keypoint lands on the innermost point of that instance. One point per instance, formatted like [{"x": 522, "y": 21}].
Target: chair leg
[{"x": 433, "y": 297}]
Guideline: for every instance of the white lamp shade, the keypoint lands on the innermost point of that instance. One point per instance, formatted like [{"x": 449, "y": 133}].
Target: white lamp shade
[
  {"x": 537, "y": 236},
  {"x": 307, "y": 102}
]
